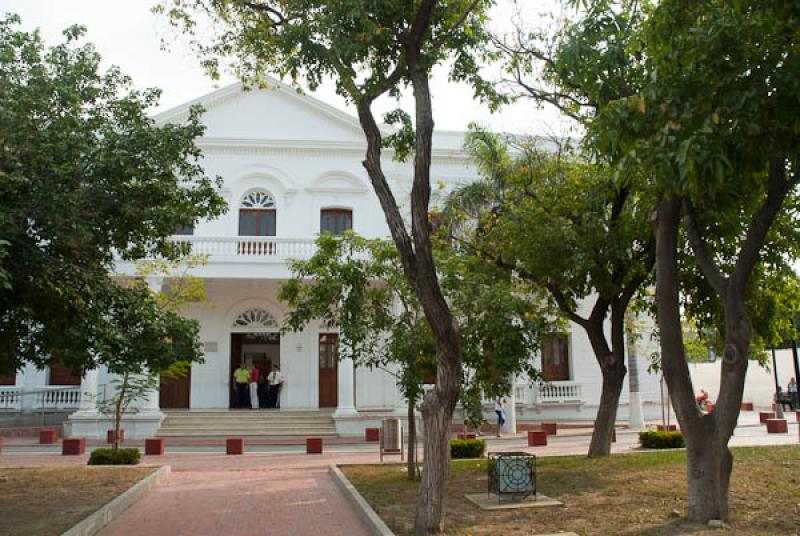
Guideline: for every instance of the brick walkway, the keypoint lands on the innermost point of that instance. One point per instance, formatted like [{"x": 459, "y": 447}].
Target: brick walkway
[{"x": 243, "y": 495}]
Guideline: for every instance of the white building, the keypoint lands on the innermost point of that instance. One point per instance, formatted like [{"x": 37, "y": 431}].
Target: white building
[{"x": 292, "y": 166}]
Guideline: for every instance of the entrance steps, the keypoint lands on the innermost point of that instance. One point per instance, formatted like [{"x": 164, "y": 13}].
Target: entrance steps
[{"x": 248, "y": 423}]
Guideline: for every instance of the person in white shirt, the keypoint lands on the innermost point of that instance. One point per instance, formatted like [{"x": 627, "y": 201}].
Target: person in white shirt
[
  {"x": 275, "y": 382},
  {"x": 500, "y": 410}
]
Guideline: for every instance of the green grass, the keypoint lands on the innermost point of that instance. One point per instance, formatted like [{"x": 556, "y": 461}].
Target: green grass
[{"x": 634, "y": 493}]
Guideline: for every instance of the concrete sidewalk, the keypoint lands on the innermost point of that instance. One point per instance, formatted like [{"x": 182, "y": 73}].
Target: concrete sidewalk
[{"x": 209, "y": 493}]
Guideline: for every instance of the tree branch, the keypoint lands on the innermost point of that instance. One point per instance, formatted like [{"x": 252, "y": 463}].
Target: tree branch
[
  {"x": 702, "y": 252},
  {"x": 271, "y": 13}
]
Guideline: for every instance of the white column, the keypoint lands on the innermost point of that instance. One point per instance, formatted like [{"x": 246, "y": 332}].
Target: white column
[
  {"x": 89, "y": 392},
  {"x": 635, "y": 413},
  {"x": 511, "y": 410},
  {"x": 151, "y": 401},
  {"x": 346, "y": 385}
]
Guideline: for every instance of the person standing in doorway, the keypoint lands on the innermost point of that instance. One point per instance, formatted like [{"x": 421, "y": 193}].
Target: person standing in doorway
[
  {"x": 275, "y": 381},
  {"x": 500, "y": 410},
  {"x": 254, "y": 374},
  {"x": 792, "y": 389},
  {"x": 241, "y": 377}
]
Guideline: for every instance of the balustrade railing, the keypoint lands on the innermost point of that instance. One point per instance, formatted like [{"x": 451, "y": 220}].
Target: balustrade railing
[
  {"x": 50, "y": 397},
  {"x": 10, "y": 399},
  {"x": 560, "y": 392},
  {"x": 265, "y": 248}
]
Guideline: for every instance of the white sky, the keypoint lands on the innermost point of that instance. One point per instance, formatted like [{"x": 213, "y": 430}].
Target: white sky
[{"x": 128, "y": 35}]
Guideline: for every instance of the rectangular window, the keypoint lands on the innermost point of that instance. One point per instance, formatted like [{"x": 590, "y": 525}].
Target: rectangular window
[
  {"x": 61, "y": 375},
  {"x": 335, "y": 221},
  {"x": 327, "y": 350},
  {"x": 555, "y": 357},
  {"x": 181, "y": 229},
  {"x": 256, "y": 222},
  {"x": 8, "y": 379}
]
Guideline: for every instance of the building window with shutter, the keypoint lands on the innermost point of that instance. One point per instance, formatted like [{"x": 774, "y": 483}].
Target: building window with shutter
[
  {"x": 555, "y": 357},
  {"x": 335, "y": 221}
]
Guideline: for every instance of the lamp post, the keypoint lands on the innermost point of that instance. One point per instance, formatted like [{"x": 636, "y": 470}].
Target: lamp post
[{"x": 778, "y": 405}]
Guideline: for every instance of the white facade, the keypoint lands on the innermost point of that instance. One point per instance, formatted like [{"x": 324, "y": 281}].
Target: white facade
[{"x": 307, "y": 156}]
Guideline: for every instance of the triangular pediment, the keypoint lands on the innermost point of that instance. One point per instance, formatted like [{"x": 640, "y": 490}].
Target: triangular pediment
[{"x": 277, "y": 112}]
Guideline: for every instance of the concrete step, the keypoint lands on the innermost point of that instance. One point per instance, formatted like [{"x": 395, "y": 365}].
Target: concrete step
[{"x": 248, "y": 423}]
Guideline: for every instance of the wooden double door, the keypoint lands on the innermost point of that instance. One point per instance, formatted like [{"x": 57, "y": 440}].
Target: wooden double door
[
  {"x": 328, "y": 370},
  {"x": 174, "y": 393}
]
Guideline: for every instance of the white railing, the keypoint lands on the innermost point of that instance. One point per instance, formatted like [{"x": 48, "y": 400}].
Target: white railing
[
  {"x": 559, "y": 392},
  {"x": 264, "y": 248},
  {"x": 57, "y": 397},
  {"x": 10, "y": 398}
]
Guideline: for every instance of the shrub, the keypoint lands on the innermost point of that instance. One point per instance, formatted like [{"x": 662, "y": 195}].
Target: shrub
[
  {"x": 108, "y": 457},
  {"x": 661, "y": 440},
  {"x": 467, "y": 448}
]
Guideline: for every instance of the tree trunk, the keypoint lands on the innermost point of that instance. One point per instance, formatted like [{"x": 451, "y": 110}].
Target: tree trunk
[
  {"x": 613, "y": 379},
  {"x": 118, "y": 412},
  {"x": 437, "y": 417},
  {"x": 411, "y": 459},
  {"x": 708, "y": 471}
]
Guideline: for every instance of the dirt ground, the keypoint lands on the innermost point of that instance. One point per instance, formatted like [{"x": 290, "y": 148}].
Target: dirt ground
[
  {"x": 638, "y": 493},
  {"x": 45, "y": 501}
]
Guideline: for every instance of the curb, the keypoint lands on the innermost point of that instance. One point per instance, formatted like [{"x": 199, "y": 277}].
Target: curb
[
  {"x": 374, "y": 523},
  {"x": 106, "y": 514}
]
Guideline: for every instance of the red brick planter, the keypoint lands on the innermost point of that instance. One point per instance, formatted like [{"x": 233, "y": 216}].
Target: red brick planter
[
  {"x": 47, "y": 437},
  {"x": 154, "y": 447},
  {"x": 372, "y": 434},
  {"x": 537, "y": 438},
  {"x": 234, "y": 445},
  {"x": 764, "y": 415},
  {"x": 468, "y": 435},
  {"x": 73, "y": 446},
  {"x": 550, "y": 428},
  {"x": 670, "y": 428},
  {"x": 313, "y": 445},
  {"x": 747, "y": 406},
  {"x": 776, "y": 426},
  {"x": 110, "y": 436}
]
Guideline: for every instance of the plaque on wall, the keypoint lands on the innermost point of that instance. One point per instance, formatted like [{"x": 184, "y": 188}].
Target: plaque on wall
[{"x": 210, "y": 346}]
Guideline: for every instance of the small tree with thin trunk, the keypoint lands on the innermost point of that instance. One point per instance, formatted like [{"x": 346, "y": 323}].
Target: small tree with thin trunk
[{"x": 371, "y": 49}]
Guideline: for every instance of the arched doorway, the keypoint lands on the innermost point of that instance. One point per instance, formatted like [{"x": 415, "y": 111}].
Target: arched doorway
[{"x": 255, "y": 340}]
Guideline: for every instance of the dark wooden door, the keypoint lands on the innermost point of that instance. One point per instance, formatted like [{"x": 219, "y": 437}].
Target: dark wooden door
[
  {"x": 61, "y": 375},
  {"x": 236, "y": 358},
  {"x": 328, "y": 370},
  {"x": 8, "y": 379},
  {"x": 174, "y": 393},
  {"x": 555, "y": 358}
]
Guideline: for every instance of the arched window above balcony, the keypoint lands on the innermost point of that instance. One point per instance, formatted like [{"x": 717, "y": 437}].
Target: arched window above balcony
[{"x": 257, "y": 214}]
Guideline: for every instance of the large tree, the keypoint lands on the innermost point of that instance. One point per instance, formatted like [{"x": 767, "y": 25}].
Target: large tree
[
  {"x": 716, "y": 123},
  {"x": 371, "y": 49},
  {"x": 583, "y": 233},
  {"x": 85, "y": 174},
  {"x": 571, "y": 230}
]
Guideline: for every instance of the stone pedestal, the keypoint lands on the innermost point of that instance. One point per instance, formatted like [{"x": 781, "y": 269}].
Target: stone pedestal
[
  {"x": 313, "y": 445},
  {"x": 372, "y": 434},
  {"x": 747, "y": 406},
  {"x": 73, "y": 446},
  {"x": 234, "y": 445},
  {"x": 764, "y": 415},
  {"x": 154, "y": 447},
  {"x": 47, "y": 437},
  {"x": 776, "y": 426},
  {"x": 110, "y": 436},
  {"x": 550, "y": 428},
  {"x": 667, "y": 428},
  {"x": 346, "y": 399},
  {"x": 537, "y": 438}
]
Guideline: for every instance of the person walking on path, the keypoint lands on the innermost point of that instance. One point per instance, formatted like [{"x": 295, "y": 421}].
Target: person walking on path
[
  {"x": 275, "y": 381},
  {"x": 241, "y": 377},
  {"x": 793, "y": 396},
  {"x": 500, "y": 410},
  {"x": 254, "y": 374}
]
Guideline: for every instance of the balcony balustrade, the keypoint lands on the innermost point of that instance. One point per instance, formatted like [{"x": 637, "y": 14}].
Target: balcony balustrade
[
  {"x": 47, "y": 398},
  {"x": 249, "y": 248}
]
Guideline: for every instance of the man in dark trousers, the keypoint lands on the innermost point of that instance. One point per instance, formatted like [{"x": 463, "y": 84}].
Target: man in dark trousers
[
  {"x": 241, "y": 378},
  {"x": 275, "y": 381}
]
